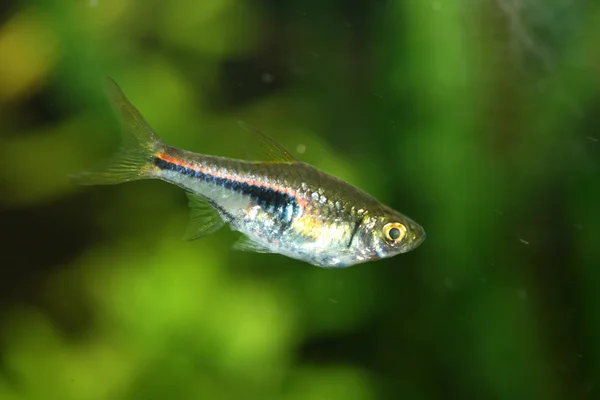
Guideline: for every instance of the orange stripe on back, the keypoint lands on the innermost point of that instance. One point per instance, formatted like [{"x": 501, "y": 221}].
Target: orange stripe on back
[{"x": 196, "y": 167}]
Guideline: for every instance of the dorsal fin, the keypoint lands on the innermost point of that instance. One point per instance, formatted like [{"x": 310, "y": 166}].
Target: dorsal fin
[{"x": 267, "y": 148}]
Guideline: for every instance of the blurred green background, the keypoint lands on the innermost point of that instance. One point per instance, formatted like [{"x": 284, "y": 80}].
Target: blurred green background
[{"x": 477, "y": 118}]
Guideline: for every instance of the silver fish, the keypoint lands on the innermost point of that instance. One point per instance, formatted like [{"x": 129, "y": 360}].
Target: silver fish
[{"x": 281, "y": 206}]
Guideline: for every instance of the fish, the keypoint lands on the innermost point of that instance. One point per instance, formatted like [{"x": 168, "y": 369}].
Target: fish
[{"x": 280, "y": 205}]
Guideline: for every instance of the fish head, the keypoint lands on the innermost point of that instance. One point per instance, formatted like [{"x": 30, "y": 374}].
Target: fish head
[{"x": 388, "y": 233}]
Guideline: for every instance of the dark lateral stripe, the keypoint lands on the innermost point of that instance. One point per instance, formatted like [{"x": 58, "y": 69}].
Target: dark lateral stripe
[{"x": 270, "y": 200}]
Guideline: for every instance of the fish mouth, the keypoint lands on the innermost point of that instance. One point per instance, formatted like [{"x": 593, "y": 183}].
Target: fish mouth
[{"x": 418, "y": 237}]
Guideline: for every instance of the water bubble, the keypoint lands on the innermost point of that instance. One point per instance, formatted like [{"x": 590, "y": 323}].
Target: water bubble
[
  {"x": 449, "y": 283},
  {"x": 267, "y": 78},
  {"x": 522, "y": 293}
]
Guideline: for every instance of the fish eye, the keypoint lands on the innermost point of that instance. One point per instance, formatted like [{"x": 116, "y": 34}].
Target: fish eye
[{"x": 394, "y": 232}]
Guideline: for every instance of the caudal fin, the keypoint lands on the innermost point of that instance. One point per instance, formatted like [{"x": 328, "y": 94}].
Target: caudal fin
[{"x": 133, "y": 160}]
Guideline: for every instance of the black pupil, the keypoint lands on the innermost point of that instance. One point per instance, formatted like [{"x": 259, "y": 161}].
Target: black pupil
[{"x": 394, "y": 233}]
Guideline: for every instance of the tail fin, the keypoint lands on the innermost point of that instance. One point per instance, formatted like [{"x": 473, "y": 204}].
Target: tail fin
[{"x": 139, "y": 144}]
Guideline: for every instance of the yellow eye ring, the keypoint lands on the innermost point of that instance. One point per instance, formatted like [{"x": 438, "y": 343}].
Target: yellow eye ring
[{"x": 394, "y": 232}]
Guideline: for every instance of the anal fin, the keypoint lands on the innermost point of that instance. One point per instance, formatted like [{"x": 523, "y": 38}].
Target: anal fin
[{"x": 204, "y": 218}]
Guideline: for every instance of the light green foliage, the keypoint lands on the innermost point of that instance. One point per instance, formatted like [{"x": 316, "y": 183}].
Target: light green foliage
[{"x": 337, "y": 382}]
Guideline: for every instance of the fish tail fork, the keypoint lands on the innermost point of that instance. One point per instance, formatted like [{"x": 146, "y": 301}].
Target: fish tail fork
[{"x": 133, "y": 160}]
